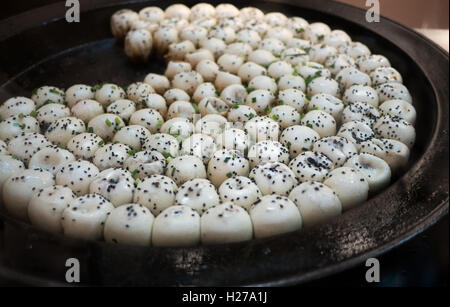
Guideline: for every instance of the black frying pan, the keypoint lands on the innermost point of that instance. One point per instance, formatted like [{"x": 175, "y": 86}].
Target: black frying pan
[{"x": 39, "y": 47}]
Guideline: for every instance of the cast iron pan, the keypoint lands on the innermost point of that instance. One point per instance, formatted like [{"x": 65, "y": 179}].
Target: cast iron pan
[{"x": 39, "y": 47}]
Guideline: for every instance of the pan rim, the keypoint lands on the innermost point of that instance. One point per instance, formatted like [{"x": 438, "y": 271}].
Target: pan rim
[{"x": 421, "y": 225}]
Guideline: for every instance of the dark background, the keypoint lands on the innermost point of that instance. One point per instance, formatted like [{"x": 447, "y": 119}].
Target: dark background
[{"x": 422, "y": 261}]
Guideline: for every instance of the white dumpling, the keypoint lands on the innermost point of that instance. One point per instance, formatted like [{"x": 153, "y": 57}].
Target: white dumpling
[
  {"x": 233, "y": 139},
  {"x": 17, "y": 125},
  {"x": 260, "y": 100},
  {"x": 145, "y": 163},
  {"x": 234, "y": 94},
  {"x": 183, "y": 109},
  {"x": 156, "y": 102},
  {"x": 111, "y": 155},
  {"x": 84, "y": 145},
  {"x": 321, "y": 122},
  {"x": 51, "y": 112},
  {"x": 323, "y": 85},
  {"x": 200, "y": 145},
  {"x": 15, "y": 106},
  {"x": 263, "y": 83},
  {"x": 202, "y": 10},
  {"x": 85, "y": 217},
  {"x": 337, "y": 149},
  {"x": 274, "y": 214},
  {"x": 116, "y": 185},
  {"x": 226, "y": 164},
  {"x": 124, "y": 108},
  {"x": 356, "y": 132},
  {"x": 369, "y": 62},
  {"x": 176, "y": 226},
  {"x": 361, "y": 93},
  {"x": 311, "y": 166},
  {"x": 159, "y": 83},
  {"x": 351, "y": 186},
  {"x": 298, "y": 139},
  {"x": 153, "y": 14},
  {"x": 164, "y": 143},
  {"x": 204, "y": 90},
  {"x": 148, "y": 118},
  {"x": 207, "y": 69},
  {"x": 224, "y": 79},
  {"x": 375, "y": 170},
  {"x": 185, "y": 168},
  {"x": 294, "y": 98},
  {"x": 48, "y": 94},
  {"x": 316, "y": 202},
  {"x": 156, "y": 192},
  {"x": 50, "y": 158},
  {"x": 138, "y": 91},
  {"x": 337, "y": 38},
  {"x": 199, "y": 194},
  {"x": 240, "y": 113},
  {"x": 267, "y": 151},
  {"x": 383, "y": 75},
  {"x": 178, "y": 127},
  {"x": 87, "y": 109},
  {"x": 356, "y": 49},
  {"x": 291, "y": 82},
  {"x": 274, "y": 178},
  {"x": 394, "y": 152},
  {"x": 211, "y": 48},
  {"x": 351, "y": 76},
  {"x": 129, "y": 224},
  {"x": 320, "y": 52},
  {"x": 240, "y": 191},
  {"x": 46, "y": 207},
  {"x": 77, "y": 175},
  {"x": 77, "y": 93},
  {"x": 399, "y": 108},
  {"x": 327, "y": 103},
  {"x": 360, "y": 111},
  {"x": 250, "y": 70},
  {"x": 225, "y": 223},
  {"x": 262, "y": 128},
  {"x": 8, "y": 167},
  {"x": 226, "y": 10},
  {"x": 395, "y": 128},
  {"x": 62, "y": 130},
  {"x": 336, "y": 63},
  {"x": 107, "y": 93},
  {"x": 20, "y": 188},
  {"x": 120, "y": 22},
  {"x": 285, "y": 115},
  {"x": 133, "y": 136},
  {"x": 25, "y": 145}
]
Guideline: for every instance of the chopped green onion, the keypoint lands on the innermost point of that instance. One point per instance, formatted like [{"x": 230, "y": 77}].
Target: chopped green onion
[{"x": 196, "y": 109}]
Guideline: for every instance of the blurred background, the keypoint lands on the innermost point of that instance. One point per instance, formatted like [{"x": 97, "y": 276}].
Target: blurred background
[
  {"x": 428, "y": 14},
  {"x": 423, "y": 261},
  {"x": 412, "y": 13},
  {"x": 429, "y": 17}
]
